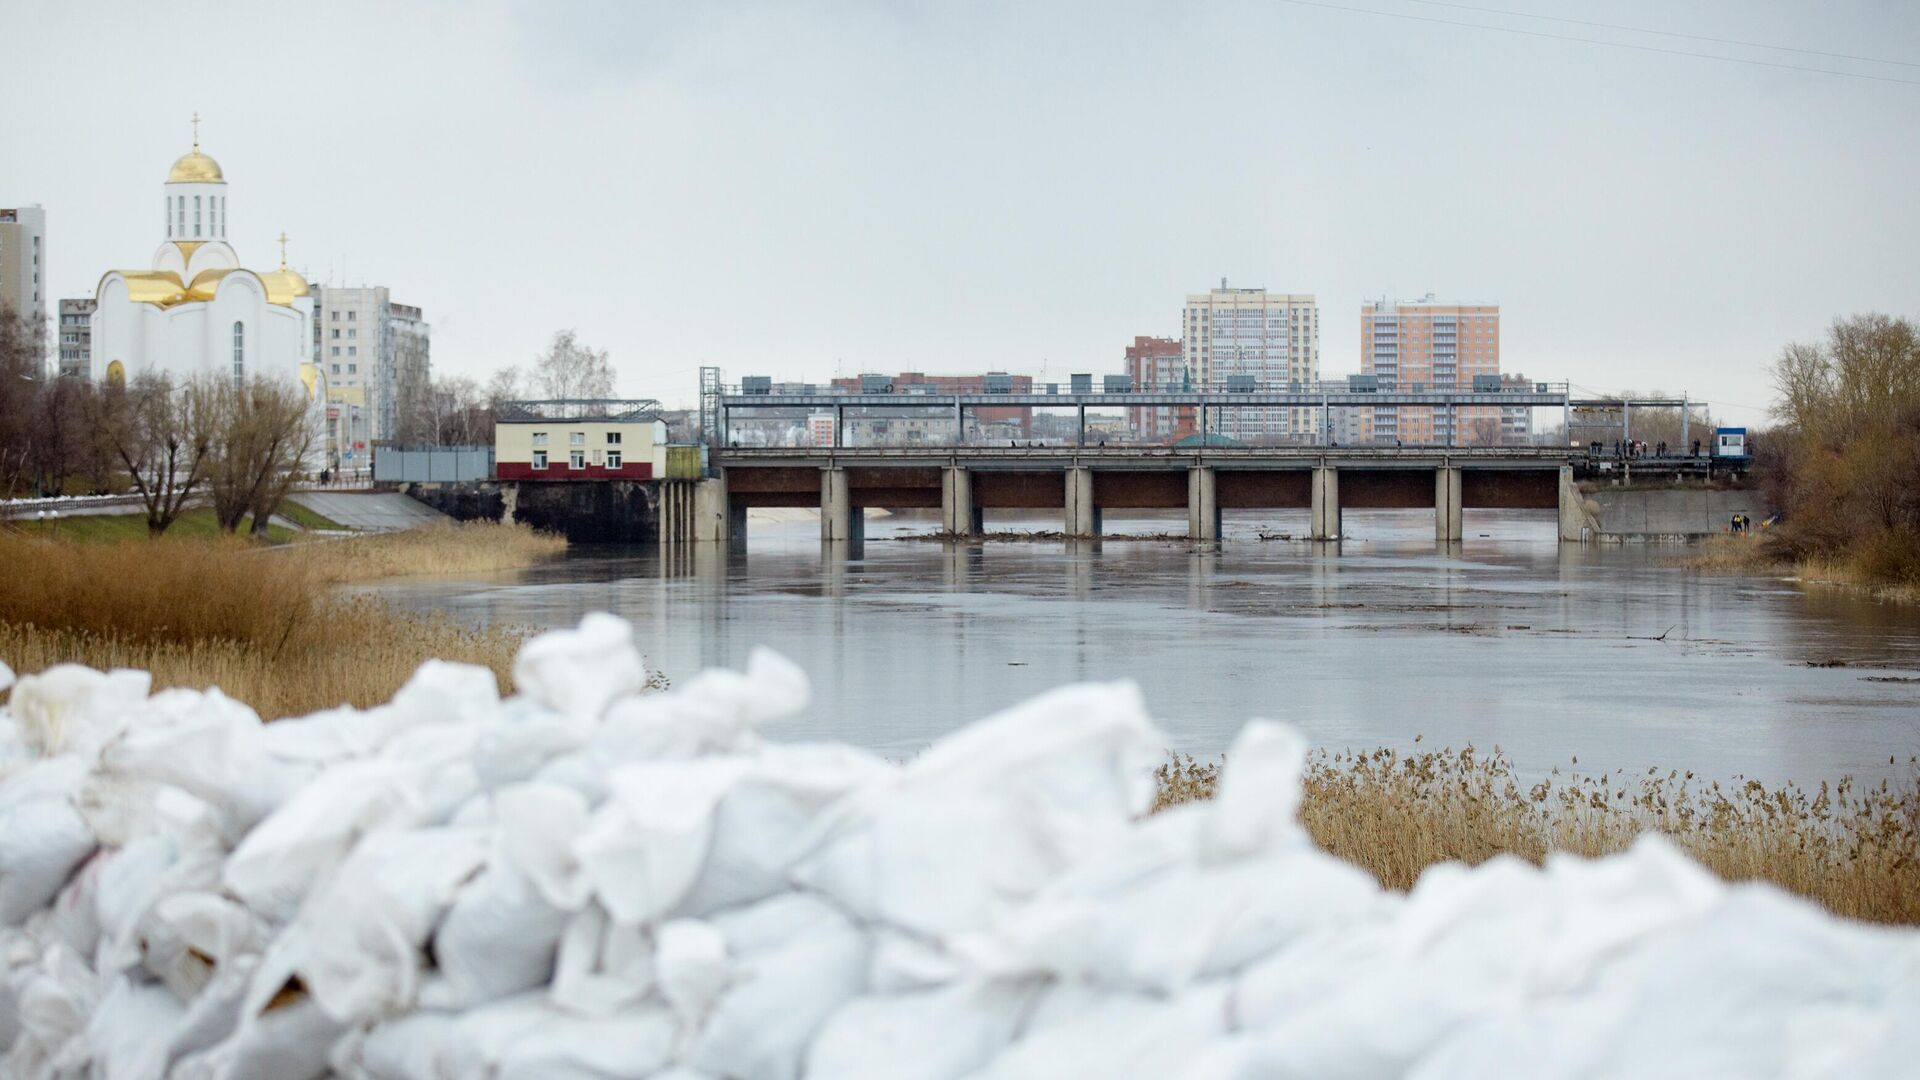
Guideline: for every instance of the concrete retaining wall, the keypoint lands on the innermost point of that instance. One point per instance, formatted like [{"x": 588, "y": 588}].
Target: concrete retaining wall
[{"x": 1629, "y": 513}]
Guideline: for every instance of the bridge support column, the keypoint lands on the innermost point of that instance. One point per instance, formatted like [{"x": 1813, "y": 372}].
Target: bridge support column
[
  {"x": 958, "y": 515},
  {"x": 840, "y": 520},
  {"x": 714, "y": 519},
  {"x": 1575, "y": 522},
  {"x": 1203, "y": 505},
  {"x": 1448, "y": 523},
  {"x": 1083, "y": 517},
  {"x": 1326, "y": 503}
]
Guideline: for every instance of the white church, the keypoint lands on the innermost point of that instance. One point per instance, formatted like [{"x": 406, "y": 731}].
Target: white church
[{"x": 197, "y": 311}]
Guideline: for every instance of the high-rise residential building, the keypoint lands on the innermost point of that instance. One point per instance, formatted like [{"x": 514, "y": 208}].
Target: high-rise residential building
[
  {"x": 75, "y": 336},
  {"x": 23, "y": 260},
  {"x": 1254, "y": 339},
  {"x": 1426, "y": 345},
  {"x": 1157, "y": 363},
  {"x": 377, "y": 363}
]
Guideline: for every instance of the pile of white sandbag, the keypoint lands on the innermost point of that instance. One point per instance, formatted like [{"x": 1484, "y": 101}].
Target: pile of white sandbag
[{"x": 588, "y": 881}]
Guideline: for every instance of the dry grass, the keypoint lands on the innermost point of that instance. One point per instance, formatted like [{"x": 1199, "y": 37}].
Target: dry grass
[
  {"x": 263, "y": 625},
  {"x": 1854, "y": 850},
  {"x": 1752, "y": 554},
  {"x": 448, "y": 548}
]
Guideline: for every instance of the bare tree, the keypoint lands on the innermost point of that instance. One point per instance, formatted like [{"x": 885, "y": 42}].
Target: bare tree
[
  {"x": 162, "y": 435},
  {"x": 569, "y": 369},
  {"x": 506, "y": 385},
  {"x": 22, "y": 378},
  {"x": 261, "y": 438}
]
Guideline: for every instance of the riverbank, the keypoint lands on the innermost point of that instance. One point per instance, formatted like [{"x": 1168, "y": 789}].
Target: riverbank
[
  {"x": 1851, "y": 849},
  {"x": 262, "y": 623},
  {"x": 1884, "y": 575}
]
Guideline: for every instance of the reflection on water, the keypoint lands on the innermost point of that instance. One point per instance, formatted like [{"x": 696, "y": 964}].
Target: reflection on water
[{"x": 1607, "y": 653}]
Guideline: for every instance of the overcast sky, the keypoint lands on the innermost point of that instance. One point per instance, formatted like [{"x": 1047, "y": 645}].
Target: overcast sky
[{"x": 799, "y": 189}]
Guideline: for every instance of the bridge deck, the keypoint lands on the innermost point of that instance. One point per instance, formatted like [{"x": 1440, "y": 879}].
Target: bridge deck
[{"x": 1150, "y": 457}]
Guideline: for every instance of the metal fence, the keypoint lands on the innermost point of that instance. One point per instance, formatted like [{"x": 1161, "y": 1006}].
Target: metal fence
[{"x": 432, "y": 464}]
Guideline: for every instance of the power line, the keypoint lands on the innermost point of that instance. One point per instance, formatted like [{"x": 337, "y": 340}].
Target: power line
[
  {"x": 1600, "y": 41},
  {"x": 1667, "y": 33}
]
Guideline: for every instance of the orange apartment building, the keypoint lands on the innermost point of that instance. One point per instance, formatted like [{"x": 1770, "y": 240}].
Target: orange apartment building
[
  {"x": 1420, "y": 344},
  {"x": 1157, "y": 363}
]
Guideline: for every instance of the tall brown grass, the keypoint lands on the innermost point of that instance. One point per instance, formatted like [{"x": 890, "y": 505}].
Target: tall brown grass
[
  {"x": 263, "y": 625},
  {"x": 1854, "y": 850},
  {"x": 1884, "y": 565},
  {"x": 445, "y": 548}
]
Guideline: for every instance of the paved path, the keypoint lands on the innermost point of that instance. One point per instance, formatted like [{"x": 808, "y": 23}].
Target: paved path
[{"x": 376, "y": 512}]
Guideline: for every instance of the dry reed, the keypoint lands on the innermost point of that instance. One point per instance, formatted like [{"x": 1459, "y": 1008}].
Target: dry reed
[
  {"x": 261, "y": 625},
  {"x": 447, "y": 548},
  {"x": 1752, "y": 554},
  {"x": 1855, "y": 850}
]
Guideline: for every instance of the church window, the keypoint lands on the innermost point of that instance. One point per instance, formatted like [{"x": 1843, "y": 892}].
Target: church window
[
  {"x": 180, "y": 215},
  {"x": 116, "y": 374},
  {"x": 169, "y": 215},
  {"x": 196, "y": 215},
  {"x": 239, "y": 351}
]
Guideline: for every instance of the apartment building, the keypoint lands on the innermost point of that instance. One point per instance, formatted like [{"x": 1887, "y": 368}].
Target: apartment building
[
  {"x": 74, "y": 336},
  {"x": 1157, "y": 363},
  {"x": 376, "y": 355},
  {"x": 23, "y": 260},
  {"x": 1426, "y": 345},
  {"x": 1256, "y": 339}
]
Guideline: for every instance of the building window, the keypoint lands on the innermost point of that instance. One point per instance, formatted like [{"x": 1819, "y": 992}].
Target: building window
[
  {"x": 336, "y": 332},
  {"x": 353, "y": 369},
  {"x": 576, "y": 438},
  {"x": 336, "y": 369},
  {"x": 613, "y": 438},
  {"x": 577, "y": 459},
  {"x": 196, "y": 215},
  {"x": 539, "y": 438},
  {"x": 336, "y": 318},
  {"x": 353, "y": 350},
  {"x": 613, "y": 459},
  {"x": 539, "y": 459},
  {"x": 239, "y": 352},
  {"x": 336, "y": 350},
  {"x": 353, "y": 333},
  {"x": 352, "y": 315}
]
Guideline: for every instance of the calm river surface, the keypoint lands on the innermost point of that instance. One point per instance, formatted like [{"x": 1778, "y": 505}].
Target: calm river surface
[{"x": 1610, "y": 654}]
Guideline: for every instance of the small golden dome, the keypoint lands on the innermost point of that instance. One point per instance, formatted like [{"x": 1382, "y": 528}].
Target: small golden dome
[
  {"x": 195, "y": 167},
  {"x": 283, "y": 285}
]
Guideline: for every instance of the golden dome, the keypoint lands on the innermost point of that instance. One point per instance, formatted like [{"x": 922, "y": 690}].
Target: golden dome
[
  {"x": 195, "y": 167},
  {"x": 283, "y": 285}
]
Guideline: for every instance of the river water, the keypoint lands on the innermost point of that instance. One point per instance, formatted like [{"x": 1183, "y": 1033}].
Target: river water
[{"x": 1609, "y": 654}]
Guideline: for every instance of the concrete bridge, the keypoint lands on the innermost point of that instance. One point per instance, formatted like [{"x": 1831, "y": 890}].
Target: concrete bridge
[{"x": 1084, "y": 482}]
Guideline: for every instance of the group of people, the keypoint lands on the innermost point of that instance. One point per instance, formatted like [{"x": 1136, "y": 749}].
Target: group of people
[{"x": 1634, "y": 448}]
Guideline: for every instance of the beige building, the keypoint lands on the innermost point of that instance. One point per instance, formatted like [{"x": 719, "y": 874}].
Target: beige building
[
  {"x": 584, "y": 448},
  {"x": 377, "y": 361},
  {"x": 74, "y": 340},
  {"x": 1425, "y": 345},
  {"x": 23, "y": 260},
  {"x": 1253, "y": 339}
]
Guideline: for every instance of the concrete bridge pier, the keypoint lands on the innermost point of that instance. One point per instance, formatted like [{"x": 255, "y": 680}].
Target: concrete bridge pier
[
  {"x": 1203, "y": 505},
  {"x": 1083, "y": 514},
  {"x": 712, "y": 517},
  {"x": 1575, "y": 523},
  {"x": 959, "y": 516},
  {"x": 840, "y": 521},
  {"x": 1448, "y": 520},
  {"x": 1326, "y": 503}
]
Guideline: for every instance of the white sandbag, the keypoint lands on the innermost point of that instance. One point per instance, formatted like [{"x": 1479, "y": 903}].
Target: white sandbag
[
  {"x": 763, "y": 819},
  {"x": 406, "y": 1047},
  {"x": 42, "y": 835},
  {"x": 648, "y": 841},
  {"x": 286, "y": 1041},
  {"x": 949, "y": 1032},
  {"x": 357, "y": 943},
  {"x": 69, "y": 708},
  {"x": 130, "y": 1029},
  {"x": 602, "y": 966},
  {"x": 1007, "y": 803},
  {"x": 537, "y": 828},
  {"x": 794, "y": 960},
  {"x": 55, "y": 999},
  {"x": 691, "y": 967},
  {"x": 530, "y": 1038},
  {"x": 284, "y": 856},
  {"x": 1259, "y": 792},
  {"x": 499, "y": 938},
  {"x": 1076, "y": 1031},
  {"x": 209, "y": 746},
  {"x": 578, "y": 672}
]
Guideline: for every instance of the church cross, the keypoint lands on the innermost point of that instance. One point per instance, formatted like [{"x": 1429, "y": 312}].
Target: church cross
[
  {"x": 196, "y": 132},
  {"x": 283, "y": 249}
]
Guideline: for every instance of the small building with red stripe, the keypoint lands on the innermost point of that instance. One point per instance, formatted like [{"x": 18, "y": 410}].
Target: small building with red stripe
[{"x": 578, "y": 440}]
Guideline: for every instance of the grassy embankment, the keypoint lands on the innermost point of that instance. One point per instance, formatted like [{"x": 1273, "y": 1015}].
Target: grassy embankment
[
  {"x": 193, "y": 524},
  {"x": 1854, "y": 850},
  {"x": 1879, "y": 567},
  {"x": 262, "y": 623}
]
